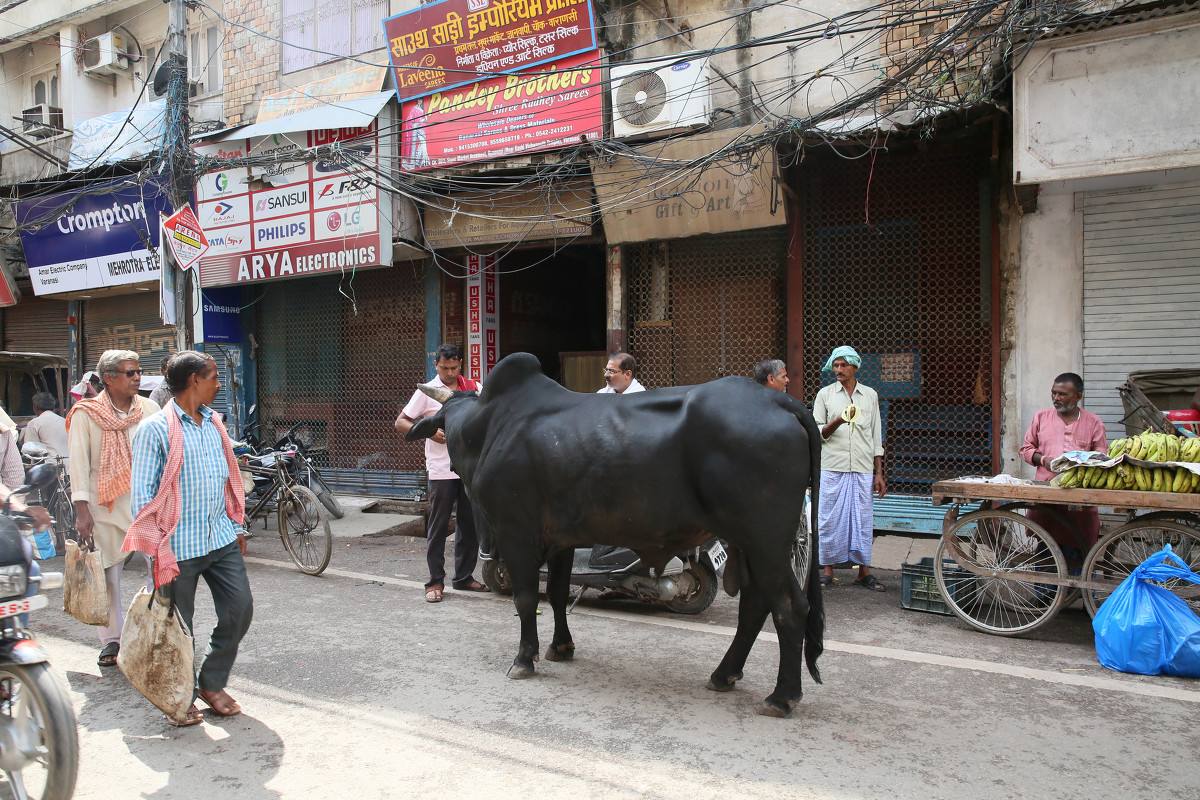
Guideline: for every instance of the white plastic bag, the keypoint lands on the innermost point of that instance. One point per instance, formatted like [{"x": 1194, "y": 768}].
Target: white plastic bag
[
  {"x": 85, "y": 594},
  {"x": 157, "y": 656}
]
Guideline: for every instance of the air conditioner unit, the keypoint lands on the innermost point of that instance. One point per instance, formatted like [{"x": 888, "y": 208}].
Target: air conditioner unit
[
  {"x": 661, "y": 96},
  {"x": 105, "y": 55},
  {"x": 42, "y": 121}
]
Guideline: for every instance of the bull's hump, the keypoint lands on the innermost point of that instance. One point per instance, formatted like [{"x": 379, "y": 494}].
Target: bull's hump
[{"x": 514, "y": 372}]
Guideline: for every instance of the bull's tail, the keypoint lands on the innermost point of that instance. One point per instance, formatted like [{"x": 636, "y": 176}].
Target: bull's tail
[{"x": 814, "y": 634}]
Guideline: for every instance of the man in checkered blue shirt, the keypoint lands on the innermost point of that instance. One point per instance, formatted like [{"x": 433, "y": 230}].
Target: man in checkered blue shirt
[{"x": 207, "y": 542}]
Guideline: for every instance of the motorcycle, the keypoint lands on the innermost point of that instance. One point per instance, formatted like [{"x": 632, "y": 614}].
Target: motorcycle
[
  {"x": 687, "y": 585},
  {"x": 299, "y": 438},
  {"x": 39, "y": 741}
]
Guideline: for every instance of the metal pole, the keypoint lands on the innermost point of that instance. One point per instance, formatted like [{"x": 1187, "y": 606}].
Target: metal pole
[{"x": 178, "y": 157}]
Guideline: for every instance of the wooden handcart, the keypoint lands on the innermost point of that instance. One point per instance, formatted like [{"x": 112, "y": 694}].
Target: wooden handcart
[{"x": 1001, "y": 572}]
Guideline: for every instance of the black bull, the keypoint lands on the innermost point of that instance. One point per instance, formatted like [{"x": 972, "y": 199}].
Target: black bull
[{"x": 548, "y": 470}]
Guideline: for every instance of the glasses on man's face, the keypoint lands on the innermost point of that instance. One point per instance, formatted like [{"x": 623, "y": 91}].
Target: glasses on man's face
[
  {"x": 611, "y": 371},
  {"x": 129, "y": 373}
]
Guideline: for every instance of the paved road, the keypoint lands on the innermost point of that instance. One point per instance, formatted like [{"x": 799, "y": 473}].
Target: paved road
[{"x": 355, "y": 687}]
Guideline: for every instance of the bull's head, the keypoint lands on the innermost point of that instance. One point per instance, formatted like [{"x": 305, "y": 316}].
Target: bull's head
[{"x": 450, "y": 418}]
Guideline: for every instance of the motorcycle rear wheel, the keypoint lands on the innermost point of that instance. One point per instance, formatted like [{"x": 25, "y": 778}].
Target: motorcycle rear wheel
[
  {"x": 702, "y": 596},
  {"x": 325, "y": 494},
  {"x": 42, "y": 760},
  {"x": 495, "y": 576}
]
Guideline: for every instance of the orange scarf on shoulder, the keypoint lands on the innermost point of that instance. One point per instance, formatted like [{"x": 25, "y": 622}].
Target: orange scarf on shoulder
[{"x": 116, "y": 457}]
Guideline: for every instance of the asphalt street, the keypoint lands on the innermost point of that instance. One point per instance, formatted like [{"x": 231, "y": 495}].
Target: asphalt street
[{"x": 354, "y": 687}]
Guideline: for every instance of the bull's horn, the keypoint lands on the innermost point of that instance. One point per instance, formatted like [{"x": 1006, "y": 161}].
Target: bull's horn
[{"x": 439, "y": 393}]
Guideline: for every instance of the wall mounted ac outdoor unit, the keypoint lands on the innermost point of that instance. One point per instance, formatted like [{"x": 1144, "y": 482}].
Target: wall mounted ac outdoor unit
[
  {"x": 105, "y": 55},
  {"x": 661, "y": 96},
  {"x": 42, "y": 121}
]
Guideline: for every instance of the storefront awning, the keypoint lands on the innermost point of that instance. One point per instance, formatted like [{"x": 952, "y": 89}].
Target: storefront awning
[{"x": 356, "y": 113}]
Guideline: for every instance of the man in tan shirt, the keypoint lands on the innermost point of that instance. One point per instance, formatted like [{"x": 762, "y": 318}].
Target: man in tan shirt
[{"x": 100, "y": 434}]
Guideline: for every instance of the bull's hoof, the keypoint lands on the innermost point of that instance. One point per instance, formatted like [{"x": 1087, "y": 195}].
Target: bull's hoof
[
  {"x": 520, "y": 671},
  {"x": 770, "y": 708},
  {"x": 723, "y": 684},
  {"x": 560, "y": 652}
]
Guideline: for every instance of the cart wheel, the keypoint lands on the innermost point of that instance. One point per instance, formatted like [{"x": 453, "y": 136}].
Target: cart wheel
[
  {"x": 1000, "y": 542},
  {"x": 1118, "y": 553}
]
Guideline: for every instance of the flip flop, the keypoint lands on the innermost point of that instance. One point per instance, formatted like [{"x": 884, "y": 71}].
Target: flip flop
[
  {"x": 472, "y": 586},
  {"x": 194, "y": 717},
  {"x": 221, "y": 706},
  {"x": 434, "y": 594},
  {"x": 870, "y": 582}
]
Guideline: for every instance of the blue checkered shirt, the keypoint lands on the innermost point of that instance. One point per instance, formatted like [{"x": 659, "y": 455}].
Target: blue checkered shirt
[{"x": 203, "y": 524}]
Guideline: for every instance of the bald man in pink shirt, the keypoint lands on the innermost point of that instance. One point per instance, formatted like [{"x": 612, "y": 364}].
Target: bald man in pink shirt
[{"x": 1055, "y": 431}]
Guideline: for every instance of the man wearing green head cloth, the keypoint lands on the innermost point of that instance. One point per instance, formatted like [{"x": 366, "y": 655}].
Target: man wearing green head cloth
[{"x": 851, "y": 466}]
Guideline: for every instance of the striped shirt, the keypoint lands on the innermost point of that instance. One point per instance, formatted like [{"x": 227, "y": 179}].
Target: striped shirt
[{"x": 203, "y": 524}]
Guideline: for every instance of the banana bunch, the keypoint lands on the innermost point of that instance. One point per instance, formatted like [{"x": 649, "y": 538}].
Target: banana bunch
[
  {"x": 1150, "y": 446},
  {"x": 1128, "y": 476}
]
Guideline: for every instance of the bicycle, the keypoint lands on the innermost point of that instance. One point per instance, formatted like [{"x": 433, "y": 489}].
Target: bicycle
[
  {"x": 301, "y": 522},
  {"x": 57, "y": 498}
]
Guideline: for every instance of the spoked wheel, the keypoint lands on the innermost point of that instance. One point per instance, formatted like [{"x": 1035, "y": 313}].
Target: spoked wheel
[
  {"x": 1002, "y": 556},
  {"x": 1118, "y": 553},
  {"x": 304, "y": 529},
  {"x": 40, "y": 752}
]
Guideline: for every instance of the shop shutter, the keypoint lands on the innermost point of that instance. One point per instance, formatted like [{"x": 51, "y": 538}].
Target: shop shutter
[
  {"x": 708, "y": 306},
  {"x": 37, "y": 326},
  {"x": 126, "y": 322},
  {"x": 1141, "y": 288}
]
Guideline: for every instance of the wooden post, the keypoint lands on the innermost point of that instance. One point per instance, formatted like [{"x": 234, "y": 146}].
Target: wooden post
[{"x": 615, "y": 284}]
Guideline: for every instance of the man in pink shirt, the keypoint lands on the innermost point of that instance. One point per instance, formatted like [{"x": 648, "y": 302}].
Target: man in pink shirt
[
  {"x": 445, "y": 488},
  {"x": 1055, "y": 431}
]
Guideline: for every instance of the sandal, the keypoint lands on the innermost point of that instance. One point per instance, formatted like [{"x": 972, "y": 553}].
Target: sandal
[
  {"x": 220, "y": 703},
  {"x": 870, "y": 582},
  {"x": 108, "y": 656},
  {"x": 433, "y": 594},
  {"x": 471, "y": 586},
  {"x": 194, "y": 717},
  {"x": 828, "y": 581}
]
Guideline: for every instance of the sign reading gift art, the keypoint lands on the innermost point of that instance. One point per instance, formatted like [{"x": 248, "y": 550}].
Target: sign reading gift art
[
  {"x": 438, "y": 46},
  {"x": 536, "y": 109},
  {"x": 483, "y": 316}
]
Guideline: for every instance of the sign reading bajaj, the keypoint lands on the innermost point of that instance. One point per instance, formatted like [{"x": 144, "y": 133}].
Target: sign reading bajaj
[
  {"x": 105, "y": 235},
  {"x": 299, "y": 218}
]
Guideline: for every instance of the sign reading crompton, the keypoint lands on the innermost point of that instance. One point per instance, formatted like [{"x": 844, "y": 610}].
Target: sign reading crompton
[
  {"x": 300, "y": 220},
  {"x": 93, "y": 238}
]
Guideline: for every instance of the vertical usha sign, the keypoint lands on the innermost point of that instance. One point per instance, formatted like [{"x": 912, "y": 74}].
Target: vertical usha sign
[{"x": 439, "y": 46}]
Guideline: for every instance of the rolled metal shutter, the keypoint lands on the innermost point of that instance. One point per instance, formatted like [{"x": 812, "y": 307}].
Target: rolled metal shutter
[
  {"x": 126, "y": 322},
  {"x": 1141, "y": 288},
  {"x": 37, "y": 326}
]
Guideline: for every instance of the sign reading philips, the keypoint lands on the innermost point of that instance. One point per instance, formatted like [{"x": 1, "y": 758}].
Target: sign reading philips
[{"x": 89, "y": 239}]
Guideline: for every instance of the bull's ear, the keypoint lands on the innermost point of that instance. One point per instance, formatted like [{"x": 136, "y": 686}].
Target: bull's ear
[{"x": 424, "y": 428}]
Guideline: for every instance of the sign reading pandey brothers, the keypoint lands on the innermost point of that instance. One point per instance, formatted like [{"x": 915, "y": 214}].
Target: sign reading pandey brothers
[
  {"x": 438, "y": 46},
  {"x": 89, "y": 239},
  {"x": 322, "y": 219}
]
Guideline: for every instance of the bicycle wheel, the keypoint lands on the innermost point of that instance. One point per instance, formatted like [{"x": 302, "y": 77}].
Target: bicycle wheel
[
  {"x": 41, "y": 740},
  {"x": 325, "y": 494},
  {"x": 1011, "y": 551},
  {"x": 304, "y": 529},
  {"x": 1118, "y": 553}
]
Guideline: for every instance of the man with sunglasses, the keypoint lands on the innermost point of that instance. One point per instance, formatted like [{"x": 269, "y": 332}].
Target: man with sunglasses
[{"x": 99, "y": 433}]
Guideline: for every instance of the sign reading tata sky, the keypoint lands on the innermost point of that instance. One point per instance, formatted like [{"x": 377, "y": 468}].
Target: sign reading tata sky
[
  {"x": 439, "y": 46},
  {"x": 103, "y": 236},
  {"x": 301, "y": 218},
  {"x": 544, "y": 108}
]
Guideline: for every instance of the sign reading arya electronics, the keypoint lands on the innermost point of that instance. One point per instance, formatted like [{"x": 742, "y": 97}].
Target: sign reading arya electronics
[
  {"x": 483, "y": 316},
  {"x": 103, "y": 236},
  {"x": 537, "y": 109},
  {"x": 449, "y": 43},
  {"x": 300, "y": 219}
]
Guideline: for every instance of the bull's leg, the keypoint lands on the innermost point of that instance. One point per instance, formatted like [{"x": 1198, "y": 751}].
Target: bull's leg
[
  {"x": 558, "y": 588},
  {"x": 752, "y": 613},
  {"x": 524, "y": 576},
  {"x": 789, "y": 612}
]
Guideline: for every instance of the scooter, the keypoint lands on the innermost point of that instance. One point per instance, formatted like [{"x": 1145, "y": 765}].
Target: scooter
[
  {"x": 39, "y": 742},
  {"x": 687, "y": 585}
]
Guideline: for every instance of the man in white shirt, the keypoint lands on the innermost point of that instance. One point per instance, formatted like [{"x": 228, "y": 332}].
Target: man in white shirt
[
  {"x": 851, "y": 467},
  {"x": 46, "y": 427},
  {"x": 618, "y": 375},
  {"x": 445, "y": 488}
]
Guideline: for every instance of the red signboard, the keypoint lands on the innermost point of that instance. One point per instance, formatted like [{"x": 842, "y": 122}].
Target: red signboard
[
  {"x": 539, "y": 109},
  {"x": 185, "y": 236},
  {"x": 483, "y": 320},
  {"x": 438, "y": 46}
]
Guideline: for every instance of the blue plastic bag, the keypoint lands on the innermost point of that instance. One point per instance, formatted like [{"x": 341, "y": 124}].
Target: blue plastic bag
[
  {"x": 1143, "y": 628},
  {"x": 43, "y": 541}
]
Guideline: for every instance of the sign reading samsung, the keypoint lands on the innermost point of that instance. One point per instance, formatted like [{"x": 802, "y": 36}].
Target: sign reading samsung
[{"x": 106, "y": 235}]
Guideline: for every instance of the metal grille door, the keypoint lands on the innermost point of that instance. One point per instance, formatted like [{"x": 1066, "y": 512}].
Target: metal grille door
[
  {"x": 909, "y": 289},
  {"x": 706, "y": 307},
  {"x": 345, "y": 374}
]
